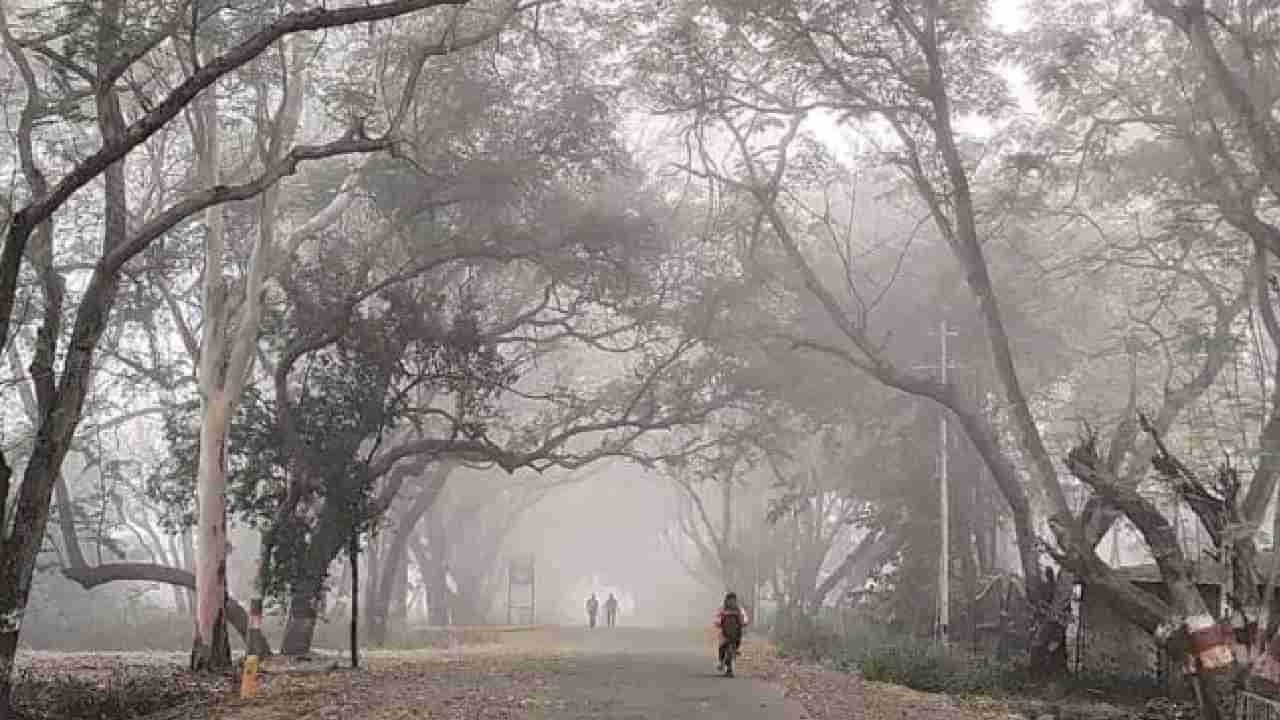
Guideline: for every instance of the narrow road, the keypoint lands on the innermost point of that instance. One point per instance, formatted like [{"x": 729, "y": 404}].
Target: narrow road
[
  {"x": 546, "y": 674},
  {"x": 638, "y": 674}
]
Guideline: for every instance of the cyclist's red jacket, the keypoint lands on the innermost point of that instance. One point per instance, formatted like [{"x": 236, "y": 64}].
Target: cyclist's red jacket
[{"x": 721, "y": 612}]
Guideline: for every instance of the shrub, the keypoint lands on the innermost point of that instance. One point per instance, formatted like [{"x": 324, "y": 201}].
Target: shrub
[
  {"x": 883, "y": 655},
  {"x": 1115, "y": 683},
  {"x": 805, "y": 638}
]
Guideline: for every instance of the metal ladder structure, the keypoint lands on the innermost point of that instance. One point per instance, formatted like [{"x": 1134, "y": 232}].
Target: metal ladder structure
[
  {"x": 1251, "y": 706},
  {"x": 520, "y": 575}
]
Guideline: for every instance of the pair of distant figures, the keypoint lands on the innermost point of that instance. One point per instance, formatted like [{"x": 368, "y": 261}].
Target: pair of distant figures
[{"x": 610, "y": 610}]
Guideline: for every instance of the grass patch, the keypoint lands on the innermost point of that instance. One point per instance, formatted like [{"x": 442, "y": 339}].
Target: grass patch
[{"x": 148, "y": 629}]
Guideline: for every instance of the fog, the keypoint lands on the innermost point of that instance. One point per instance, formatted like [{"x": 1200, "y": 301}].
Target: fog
[
  {"x": 327, "y": 319},
  {"x": 609, "y": 535}
]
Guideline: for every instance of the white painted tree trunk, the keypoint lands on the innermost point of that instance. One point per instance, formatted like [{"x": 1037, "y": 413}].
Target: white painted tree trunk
[
  {"x": 210, "y": 649},
  {"x": 224, "y": 364},
  {"x": 207, "y": 651}
]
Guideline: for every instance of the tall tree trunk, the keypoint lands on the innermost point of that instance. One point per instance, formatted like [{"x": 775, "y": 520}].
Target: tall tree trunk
[
  {"x": 210, "y": 649},
  {"x": 399, "y": 610},
  {"x": 373, "y": 569},
  {"x": 380, "y": 591},
  {"x": 423, "y": 608},
  {"x": 189, "y": 563},
  {"x": 968, "y": 249},
  {"x": 304, "y": 607},
  {"x": 438, "y": 598},
  {"x": 60, "y": 400},
  {"x": 396, "y": 565},
  {"x": 469, "y": 605},
  {"x": 67, "y": 523},
  {"x": 432, "y": 559},
  {"x": 307, "y": 590},
  {"x": 416, "y": 604},
  {"x": 228, "y": 345},
  {"x": 343, "y": 586},
  {"x": 181, "y": 595}
]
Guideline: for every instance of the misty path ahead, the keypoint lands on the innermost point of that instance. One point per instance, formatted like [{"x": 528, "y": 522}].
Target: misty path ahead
[{"x": 565, "y": 674}]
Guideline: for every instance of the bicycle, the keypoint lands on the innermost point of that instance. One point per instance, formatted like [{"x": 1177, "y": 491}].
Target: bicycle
[{"x": 731, "y": 654}]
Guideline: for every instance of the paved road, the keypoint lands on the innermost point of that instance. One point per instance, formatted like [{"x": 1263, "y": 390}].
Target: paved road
[
  {"x": 544, "y": 674},
  {"x": 639, "y": 674}
]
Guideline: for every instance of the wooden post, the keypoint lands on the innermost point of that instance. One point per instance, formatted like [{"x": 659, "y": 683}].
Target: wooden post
[
  {"x": 353, "y": 552},
  {"x": 944, "y": 571}
]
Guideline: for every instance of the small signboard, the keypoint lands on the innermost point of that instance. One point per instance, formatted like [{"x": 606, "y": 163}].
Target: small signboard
[{"x": 522, "y": 571}]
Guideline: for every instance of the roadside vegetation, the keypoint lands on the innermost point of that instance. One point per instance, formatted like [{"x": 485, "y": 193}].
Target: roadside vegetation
[{"x": 881, "y": 653}]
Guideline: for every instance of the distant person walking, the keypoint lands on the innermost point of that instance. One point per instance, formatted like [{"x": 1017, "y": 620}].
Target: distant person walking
[
  {"x": 593, "y": 607},
  {"x": 611, "y": 610}
]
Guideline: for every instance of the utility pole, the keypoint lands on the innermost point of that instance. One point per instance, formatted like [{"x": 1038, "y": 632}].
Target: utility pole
[{"x": 944, "y": 562}]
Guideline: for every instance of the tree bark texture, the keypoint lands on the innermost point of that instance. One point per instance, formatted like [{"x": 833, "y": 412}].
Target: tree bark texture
[{"x": 210, "y": 650}]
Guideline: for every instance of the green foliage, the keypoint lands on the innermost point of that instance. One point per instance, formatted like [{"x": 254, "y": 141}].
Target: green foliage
[
  {"x": 887, "y": 655},
  {"x": 342, "y": 399},
  {"x": 1118, "y": 683}
]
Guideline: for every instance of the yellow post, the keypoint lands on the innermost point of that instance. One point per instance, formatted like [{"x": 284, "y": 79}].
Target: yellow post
[{"x": 249, "y": 678}]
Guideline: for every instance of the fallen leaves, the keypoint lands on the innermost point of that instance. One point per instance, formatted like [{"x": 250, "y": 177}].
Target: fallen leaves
[
  {"x": 85, "y": 686},
  {"x": 398, "y": 686}
]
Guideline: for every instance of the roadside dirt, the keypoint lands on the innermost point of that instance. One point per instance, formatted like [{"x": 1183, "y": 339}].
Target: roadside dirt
[{"x": 565, "y": 674}]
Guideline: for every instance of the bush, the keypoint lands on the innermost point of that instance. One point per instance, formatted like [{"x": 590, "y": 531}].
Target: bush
[
  {"x": 1115, "y": 683},
  {"x": 883, "y": 655},
  {"x": 804, "y": 638},
  {"x": 921, "y": 664}
]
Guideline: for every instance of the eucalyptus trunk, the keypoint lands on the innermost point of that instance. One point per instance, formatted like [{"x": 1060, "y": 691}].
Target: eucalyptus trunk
[{"x": 211, "y": 649}]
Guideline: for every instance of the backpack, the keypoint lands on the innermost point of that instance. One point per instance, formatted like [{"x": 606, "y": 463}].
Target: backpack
[{"x": 731, "y": 624}]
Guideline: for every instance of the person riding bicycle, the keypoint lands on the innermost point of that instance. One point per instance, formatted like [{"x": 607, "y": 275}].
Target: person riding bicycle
[{"x": 731, "y": 618}]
